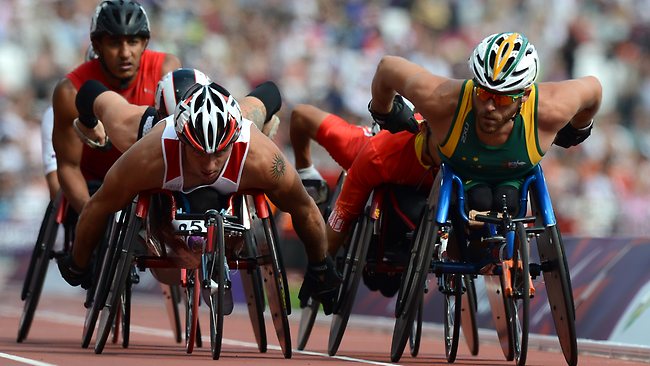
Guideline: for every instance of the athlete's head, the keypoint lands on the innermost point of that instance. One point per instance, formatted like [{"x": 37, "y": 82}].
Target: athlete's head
[
  {"x": 505, "y": 63},
  {"x": 119, "y": 18},
  {"x": 208, "y": 118},
  {"x": 173, "y": 86},
  {"x": 119, "y": 33}
]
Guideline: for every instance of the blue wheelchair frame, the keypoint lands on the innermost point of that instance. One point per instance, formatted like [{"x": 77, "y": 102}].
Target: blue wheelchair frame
[
  {"x": 437, "y": 220},
  {"x": 449, "y": 177}
]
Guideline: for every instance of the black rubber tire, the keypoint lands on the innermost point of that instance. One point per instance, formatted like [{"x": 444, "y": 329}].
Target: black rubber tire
[
  {"x": 37, "y": 270},
  {"x": 521, "y": 301},
  {"x": 124, "y": 261},
  {"x": 216, "y": 270},
  {"x": 413, "y": 280},
  {"x": 453, "y": 293},
  {"x": 352, "y": 272}
]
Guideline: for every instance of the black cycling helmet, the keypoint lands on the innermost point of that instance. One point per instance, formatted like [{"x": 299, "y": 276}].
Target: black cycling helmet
[{"x": 119, "y": 18}]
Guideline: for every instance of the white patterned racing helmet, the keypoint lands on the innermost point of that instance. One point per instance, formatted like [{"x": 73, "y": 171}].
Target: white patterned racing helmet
[
  {"x": 504, "y": 62},
  {"x": 208, "y": 118}
]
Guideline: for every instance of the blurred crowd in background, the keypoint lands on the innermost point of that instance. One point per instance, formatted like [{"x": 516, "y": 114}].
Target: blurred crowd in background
[{"x": 324, "y": 52}]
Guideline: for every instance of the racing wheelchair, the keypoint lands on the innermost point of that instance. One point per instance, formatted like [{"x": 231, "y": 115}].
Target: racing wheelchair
[
  {"x": 377, "y": 251},
  {"x": 237, "y": 234},
  {"x": 58, "y": 214},
  {"x": 503, "y": 258}
]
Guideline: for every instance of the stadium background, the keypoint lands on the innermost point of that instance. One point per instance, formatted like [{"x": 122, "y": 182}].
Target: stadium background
[{"x": 324, "y": 53}]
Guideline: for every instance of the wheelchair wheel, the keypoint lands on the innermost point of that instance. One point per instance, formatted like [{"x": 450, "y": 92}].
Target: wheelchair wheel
[
  {"x": 40, "y": 260},
  {"x": 500, "y": 314},
  {"x": 558, "y": 289},
  {"x": 274, "y": 279},
  {"x": 124, "y": 261},
  {"x": 519, "y": 300},
  {"x": 453, "y": 291},
  {"x": 216, "y": 270},
  {"x": 416, "y": 331},
  {"x": 413, "y": 280},
  {"x": 193, "y": 298},
  {"x": 103, "y": 278},
  {"x": 307, "y": 320},
  {"x": 172, "y": 296},
  {"x": 468, "y": 315},
  {"x": 126, "y": 312},
  {"x": 355, "y": 261},
  {"x": 254, "y": 292}
]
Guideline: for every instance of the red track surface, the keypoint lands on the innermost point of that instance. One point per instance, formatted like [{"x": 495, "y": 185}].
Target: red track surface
[{"x": 55, "y": 339}]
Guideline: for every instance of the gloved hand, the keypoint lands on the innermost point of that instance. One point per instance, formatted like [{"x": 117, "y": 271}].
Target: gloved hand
[
  {"x": 73, "y": 274},
  {"x": 400, "y": 117},
  {"x": 570, "y": 136},
  {"x": 321, "y": 283}
]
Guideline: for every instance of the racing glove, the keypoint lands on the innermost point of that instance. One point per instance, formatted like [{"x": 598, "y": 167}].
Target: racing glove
[
  {"x": 400, "y": 117},
  {"x": 570, "y": 136}
]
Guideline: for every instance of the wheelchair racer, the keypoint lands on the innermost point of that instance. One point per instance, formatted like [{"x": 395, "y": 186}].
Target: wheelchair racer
[
  {"x": 495, "y": 128},
  {"x": 397, "y": 154},
  {"x": 207, "y": 143}
]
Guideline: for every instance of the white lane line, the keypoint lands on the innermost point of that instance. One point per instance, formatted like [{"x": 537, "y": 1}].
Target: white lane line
[
  {"x": 24, "y": 360},
  {"x": 61, "y": 318}
]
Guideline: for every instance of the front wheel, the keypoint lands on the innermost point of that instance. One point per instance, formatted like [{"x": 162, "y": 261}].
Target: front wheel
[
  {"x": 452, "y": 289},
  {"x": 217, "y": 273},
  {"x": 192, "y": 296},
  {"x": 519, "y": 299}
]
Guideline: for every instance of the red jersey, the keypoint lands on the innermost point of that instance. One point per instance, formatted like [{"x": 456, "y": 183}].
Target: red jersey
[{"x": 95, "y": 163}]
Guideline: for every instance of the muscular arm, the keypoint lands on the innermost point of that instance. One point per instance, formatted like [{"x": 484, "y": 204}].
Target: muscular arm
[
  {"x": 120, "y": 118},
  {"x": 116, "y": 192},
  {"x": 67, "y": 146},
  {"x": 435, "y": 97},
  {"x": 267, "y": 169},
  {"x": 575, "y": 101}
]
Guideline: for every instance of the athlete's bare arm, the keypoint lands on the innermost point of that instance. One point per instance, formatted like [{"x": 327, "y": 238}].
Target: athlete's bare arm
[
  {"x": 67, "y": 146},
  {"x": 120, "y": 118},
  {"x": 267, "y": 169},
  {"x": 435, "y": 97},
  {"x": 304, "y": 124},
  {"x": 575, "y": 101},
  {"x": 139, "y": 169}
]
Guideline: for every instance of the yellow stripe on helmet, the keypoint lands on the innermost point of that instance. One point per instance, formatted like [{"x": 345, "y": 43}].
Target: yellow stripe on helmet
[{"x": 499, "y": 61}]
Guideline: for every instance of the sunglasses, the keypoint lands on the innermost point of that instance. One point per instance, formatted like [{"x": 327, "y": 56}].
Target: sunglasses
[{"x": 499, "y": 99}]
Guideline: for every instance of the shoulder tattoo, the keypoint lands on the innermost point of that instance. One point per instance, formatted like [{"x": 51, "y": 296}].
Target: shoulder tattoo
[{"x": 278, "y": 168}]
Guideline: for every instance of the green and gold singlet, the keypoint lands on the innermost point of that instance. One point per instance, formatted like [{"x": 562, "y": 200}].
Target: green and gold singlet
[{"x": 476, "y": 162}]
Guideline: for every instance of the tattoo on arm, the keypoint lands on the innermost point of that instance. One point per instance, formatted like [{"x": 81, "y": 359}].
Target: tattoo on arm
[{"x": 278, "y": 168}]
